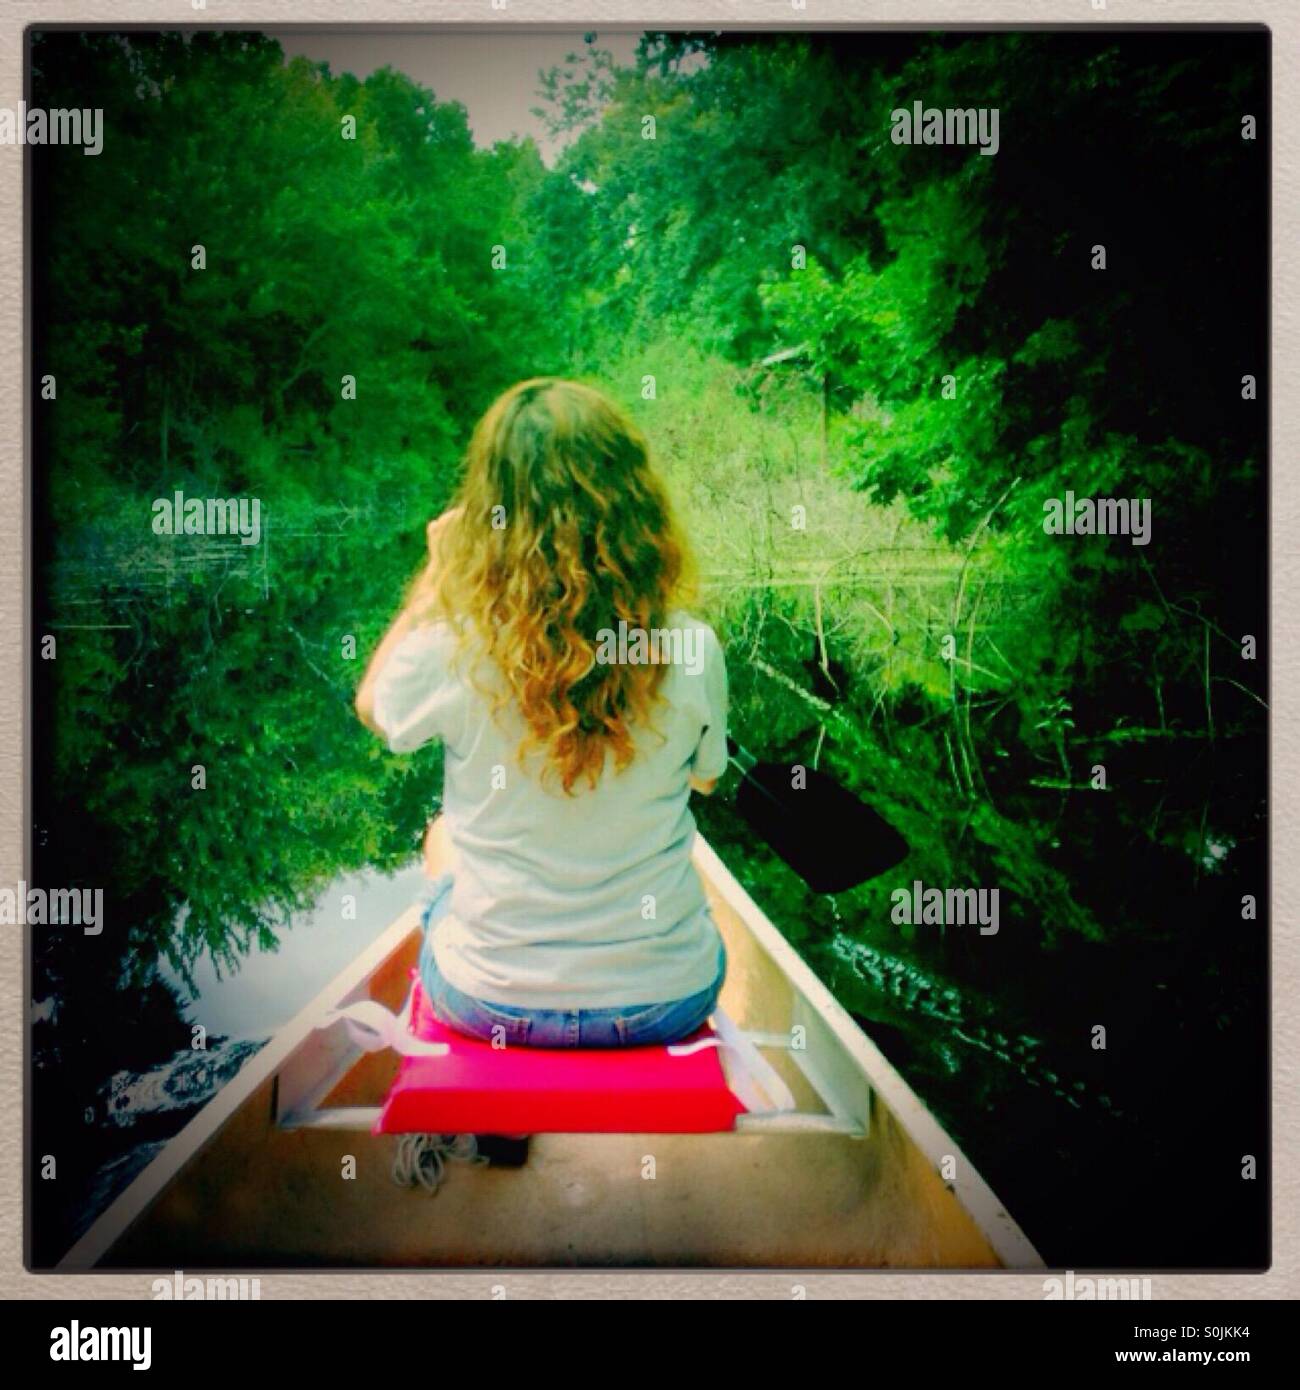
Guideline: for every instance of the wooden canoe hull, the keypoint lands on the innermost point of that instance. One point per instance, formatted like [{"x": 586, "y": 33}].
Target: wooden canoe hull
[{"x": 240, "y": 1190}]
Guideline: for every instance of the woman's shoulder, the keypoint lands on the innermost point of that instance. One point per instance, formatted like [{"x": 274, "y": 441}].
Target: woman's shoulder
[
  {"x": 433, "y": 651},
  {"x": 700, "y": 642},
  {"x": 687, "y": 621},
  {"x": 432, "y": 637}
]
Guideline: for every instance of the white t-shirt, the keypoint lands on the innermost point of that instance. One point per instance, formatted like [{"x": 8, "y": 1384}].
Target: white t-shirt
[{"x": 562, "y": 902}]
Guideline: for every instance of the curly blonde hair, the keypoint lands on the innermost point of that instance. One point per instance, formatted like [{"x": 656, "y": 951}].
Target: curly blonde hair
[{"x": 561, "y": 529}]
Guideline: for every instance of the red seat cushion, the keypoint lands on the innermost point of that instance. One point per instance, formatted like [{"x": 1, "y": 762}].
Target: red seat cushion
[{"x": 479, "y": 1089}]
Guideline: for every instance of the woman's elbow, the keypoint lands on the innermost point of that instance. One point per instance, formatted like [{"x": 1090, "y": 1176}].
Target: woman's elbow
[{"x": 364, "y": 705}]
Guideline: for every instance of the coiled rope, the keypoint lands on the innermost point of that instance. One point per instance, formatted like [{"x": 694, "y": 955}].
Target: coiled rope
[{"x": 421, "y": 1159}]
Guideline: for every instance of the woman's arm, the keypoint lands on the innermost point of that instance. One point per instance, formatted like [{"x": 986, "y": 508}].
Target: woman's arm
[
  {"x": 406, "y": 618},
  {"x": 401, "y": 625}
]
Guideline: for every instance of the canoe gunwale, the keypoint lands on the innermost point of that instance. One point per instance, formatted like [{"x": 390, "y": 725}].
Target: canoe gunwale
[
  {"x": 304, "y": 1061},
  {"x": 1009, "y": 1242}
]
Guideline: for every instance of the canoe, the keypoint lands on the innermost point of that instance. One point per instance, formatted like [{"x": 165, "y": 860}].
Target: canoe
[{"x": 281, "y": 1169}]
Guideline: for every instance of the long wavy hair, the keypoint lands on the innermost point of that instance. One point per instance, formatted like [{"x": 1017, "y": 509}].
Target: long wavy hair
[{"x": 562, "y": 530}]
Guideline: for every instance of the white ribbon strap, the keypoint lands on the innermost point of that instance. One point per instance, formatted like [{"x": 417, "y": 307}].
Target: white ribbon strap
[
  {"x": 373, "y": 1028},
  {"x": 756, "y": 1082}
]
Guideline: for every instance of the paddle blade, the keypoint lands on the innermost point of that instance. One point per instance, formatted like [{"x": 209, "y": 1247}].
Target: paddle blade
[{"x": 824, "y": 833}]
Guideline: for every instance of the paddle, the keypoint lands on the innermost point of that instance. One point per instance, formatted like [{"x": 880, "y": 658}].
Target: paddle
[{"x": 824, "y": 833}]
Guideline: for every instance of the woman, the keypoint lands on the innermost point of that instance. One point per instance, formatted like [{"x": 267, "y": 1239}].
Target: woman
[{"x": 578, "y": 706}]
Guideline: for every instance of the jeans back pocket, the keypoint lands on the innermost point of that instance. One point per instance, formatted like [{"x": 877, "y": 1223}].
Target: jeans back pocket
[
  {"x": 653, "y": 1024},
  {"x": 481, "y": 1020}
]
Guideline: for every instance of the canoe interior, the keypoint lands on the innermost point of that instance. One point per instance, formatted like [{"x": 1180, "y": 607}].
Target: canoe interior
[{"x": 253, "y": 1194}]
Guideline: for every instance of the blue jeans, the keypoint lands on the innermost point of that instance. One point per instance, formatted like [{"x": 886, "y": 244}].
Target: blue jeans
[{"x": 634, "y": 1025}]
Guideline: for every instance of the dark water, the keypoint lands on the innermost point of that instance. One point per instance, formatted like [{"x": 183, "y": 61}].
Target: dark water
[
  {"x": 137, "y": 1108},
  {"x": 1127, "y": 1157}
]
